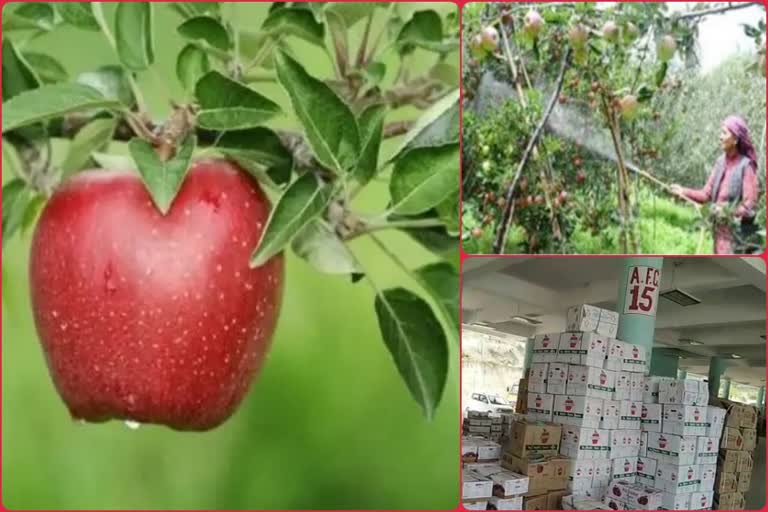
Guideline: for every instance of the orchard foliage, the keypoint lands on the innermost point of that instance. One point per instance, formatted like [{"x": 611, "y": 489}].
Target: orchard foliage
[
  {"x": 596, "y": 181},
  {"x": 315, "y": 174}
]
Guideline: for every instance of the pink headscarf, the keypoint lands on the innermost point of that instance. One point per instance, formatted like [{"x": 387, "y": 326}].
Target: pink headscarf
[{"x": 738, "y": 127}]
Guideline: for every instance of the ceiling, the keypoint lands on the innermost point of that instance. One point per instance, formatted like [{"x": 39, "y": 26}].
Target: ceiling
[{"x": 729, "y": 320}]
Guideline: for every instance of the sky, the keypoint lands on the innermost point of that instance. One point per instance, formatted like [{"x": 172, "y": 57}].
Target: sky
[{"x": 721, "y": 35}]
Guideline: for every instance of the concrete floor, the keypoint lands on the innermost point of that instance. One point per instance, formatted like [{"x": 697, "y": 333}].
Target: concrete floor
[{"x": 755, "y": 497}]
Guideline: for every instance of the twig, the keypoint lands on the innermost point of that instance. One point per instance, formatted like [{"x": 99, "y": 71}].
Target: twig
[
  {"x": 543, "y": 174},
  {"x": 396, "y": 129},
  {"x": 360, "y": 61},
  {"x": 717, "y": 10},
  {"x": 506, "y": 220}
]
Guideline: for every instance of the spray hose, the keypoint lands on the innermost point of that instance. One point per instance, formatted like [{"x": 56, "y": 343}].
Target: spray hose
[{"x": 653, "y": 179}]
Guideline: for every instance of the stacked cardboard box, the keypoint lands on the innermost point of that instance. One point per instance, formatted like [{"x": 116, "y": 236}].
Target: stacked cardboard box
[
  {"x": 484, "y": 482},
  {"x": 532, "y": 450},
  {"x": 734, "y": 462},
  {"x": 680, "y": 439},
  {"x": 483, "y": 424}
]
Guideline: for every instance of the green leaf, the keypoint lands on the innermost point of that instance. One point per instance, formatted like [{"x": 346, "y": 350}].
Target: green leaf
[
  {"x": 17, "y": 73},
  {"x": 163, "y": 179},
  {"x": 46, "y": 67},
  {"x": 229, "y": 105},
  {"x": 51, "y": 101},
  {"x": 191, "y": 64},
  {"x": 95, "y": 136},
  {"x": 298, "y": 22},
  {"x": 324, "y": 250},
  {"x": 371, "y": 123},
  {"x": 423, "y": 27},
  {"x": 259, "y": 149},
  {"x": 438, "y": 126},
  {"x": 30, "y": 16},
  {"x": 111, "y": 81},
  {"x": 661, "y": 73},
  {"x": 133, "y": 34},
  {"x": 15, "y": 200},
  {"x": 207, "y": 29},
  {"x": 78, "y": 14},
  {"x": 423, "y": 178},
  {"x": 32, "y": 146},
  {"x": 31, "y": 212},
  {"x": 352, "y": 12},
  {"x": 442, "y": 282},
  {"x": 374, "y": 73},
  {"x": 302, "y": 202},
  {"x": 448, "y": 212},
  {"x": 114, "y": 162},
  {"x": 329, "y": 124},
  {"x": 192, "y": 9},
  {"x": 417, "y": 343},
  {"x": 446, "y": 73}
]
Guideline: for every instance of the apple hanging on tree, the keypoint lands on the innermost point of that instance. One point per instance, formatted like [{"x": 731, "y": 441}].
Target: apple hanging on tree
[
  {"x": 490, "y": 39},
  {"x": 667, "y": 48},
  {"x": 533, "y": 23}
]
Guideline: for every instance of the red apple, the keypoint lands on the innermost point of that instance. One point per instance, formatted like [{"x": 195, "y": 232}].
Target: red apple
[
  {"x": 667, "y": 47},
  {"x": 533, "y": 23},
  {"x": 490, "y": 38},
  {"x": 610, "y": 31},
  {"x": 476, "y": 46},
  {"x": 628, "y": 105},
  {"x": 150, "y": 318}
]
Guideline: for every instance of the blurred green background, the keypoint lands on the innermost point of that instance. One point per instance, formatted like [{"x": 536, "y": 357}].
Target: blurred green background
[{"x": 329, "y": 422}]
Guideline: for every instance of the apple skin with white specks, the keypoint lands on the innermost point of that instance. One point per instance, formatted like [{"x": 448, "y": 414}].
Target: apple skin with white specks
[{"x": 151, "y": 318}]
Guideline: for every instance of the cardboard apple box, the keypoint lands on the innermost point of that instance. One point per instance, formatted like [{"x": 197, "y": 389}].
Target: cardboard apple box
[
  {"x": 636, "y": 383},
  {"x": 701, "y": 500},
  {"x": 507, "y": 483},
  {"x": 725, "y": 482},
  {"x": 634, "y": 359},
  {"x": 614, "y": 355},
  {"x": 624, "y": 468},
  {"x": 715, "y": 421},
  {"x": 582, "y": 348},
  {"x": 640, "y": 497},
  {"x": 590, "y": 381},
  {"x": 475, "y": 504},
  {"x": 557, "y": 377},
  {"x": 513, "y": 503},
  {"x": 651, "y": 388},
  {"x": 540, "y": 407},
  {"x": 706, "y": 450},
  {"x": 732, "y": 439},
  {"x": 743, "y": 480},
  {"x": 475, "y": 485},
  {"x": 610, "y": 418},
  {"x": 650, "y": 417},
  {"x": 545, "y": 348},
  {"x": 469, "y": 449},
  {"x": 749, "y": 435},
  {"x": 561, "y": 468},
  {"x": 685, "y": 420},
  {"x": 745, "y": 462},
  {"x": 587, "y": 443},
  {"x": 683, "y": 392},
  {"x": 537, "y": 502},
  {"x": 729, "y": 501},
  {"x": 643, "y": 445},
  {"x": 477, "y": 422},
  {"x": 601, "y": 474},
  {"x": 581, "y": 473},
  {"x": 488, "y": 451},
  {"x": 707, "y": 474},
  {"x": 646, "y": 471},
  {"x": 569, "y": 347},
  {"x": 614, "y": 504},
  {"x": 533, "y": 438},
  {"x": 587, "y": 318},
  {"x": 577, "y": 411},
  {"x": 484, "y": 468},
  {"x": 675, "y": 501},
  {"x": 623, "y": 384},
  {"x": 537, "y": 377},
  {"x": 728, "y": 460},
  {"x": 554, "y": 499},
  {"x": 677, "y": 479},
  {"x": 629, "y": 414},
  {"x": 671, "y": 449},
  {"x": 619, "y": 490}
]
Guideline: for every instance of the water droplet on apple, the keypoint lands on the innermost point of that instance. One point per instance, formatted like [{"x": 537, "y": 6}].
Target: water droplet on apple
[{"x": 132, "y": 425}]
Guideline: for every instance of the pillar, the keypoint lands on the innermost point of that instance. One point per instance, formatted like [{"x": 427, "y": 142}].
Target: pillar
[
  {"x": 717, "y": 367},
  {"x": 664, "y": 363},
  {"x": 761, "y": 398},
  {"x": 638, "y": 299},
  {"x": 726, "y": 388}
]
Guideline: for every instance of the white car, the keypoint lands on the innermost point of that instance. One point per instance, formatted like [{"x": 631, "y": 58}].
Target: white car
[{"x": 485, "y": 402}]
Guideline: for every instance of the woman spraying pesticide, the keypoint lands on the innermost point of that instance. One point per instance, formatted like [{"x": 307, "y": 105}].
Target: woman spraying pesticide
[{"x": 733, "y": 182}]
